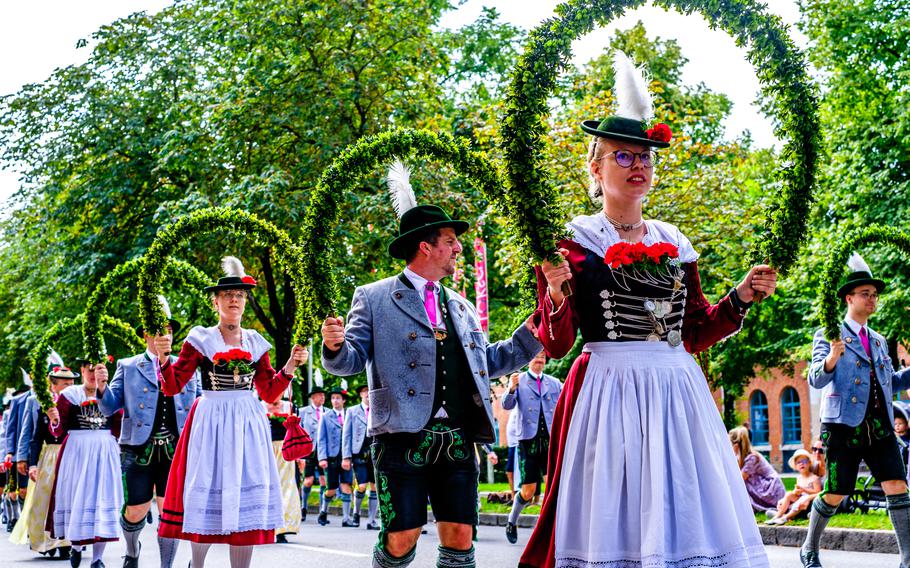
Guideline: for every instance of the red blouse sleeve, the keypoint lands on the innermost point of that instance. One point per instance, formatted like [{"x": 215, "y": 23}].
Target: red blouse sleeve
[
  {"x": 269, "y": 383},
  {"x": 556, "y": 329},
  {"x": 175, "y": 376},
  {"x": 704, "y": 324},
  {"x": 65, "y": 408}
]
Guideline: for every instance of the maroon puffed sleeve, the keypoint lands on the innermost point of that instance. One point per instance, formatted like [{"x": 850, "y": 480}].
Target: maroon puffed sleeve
[
  {"x": 269, "y": 384},
  {"x": 704, "y": 324},
  {"x": 175, "y": 375},
  {"x": 557, "y": 329}
]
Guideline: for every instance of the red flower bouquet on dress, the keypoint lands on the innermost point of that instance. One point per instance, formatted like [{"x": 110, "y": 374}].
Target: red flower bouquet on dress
[
  {"x": 237, "y": 360},
  {"x": 89, "y": 402},
  {"x": 641, "y": 256}
]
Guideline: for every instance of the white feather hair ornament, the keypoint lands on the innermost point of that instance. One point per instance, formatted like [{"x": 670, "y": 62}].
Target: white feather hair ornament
[
  {"x": 399, "y": 181},
  {"x": 232, "y": 266},
  {"x": 317, "y": 378},
  {"x": 856, "y": 264},
  {"x": 633, "y": 100},
  {"x": 53, "y": 359},
  {"x": 164, "y": 306}
]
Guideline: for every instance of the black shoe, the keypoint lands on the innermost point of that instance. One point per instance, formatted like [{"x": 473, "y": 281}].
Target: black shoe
[
  {"x": 511, "y": 533},
  {"x": 75, "y": 558},
  {"x": 97, "y": 564},
  {"x": 303, "y": 514},
  {"x": 129, "y": 561},
  {"x": 347, "y": 524},
  {"x": 10, "y": 526},
  {"x": 373, "y": 526},
  {"x": 324, "y": 519},
  {"x": 281, "y": 538},
  {"x": 63, "y": 552},
  {"x": 356, "y": 519},
  {"x": 809, "y": 559}
]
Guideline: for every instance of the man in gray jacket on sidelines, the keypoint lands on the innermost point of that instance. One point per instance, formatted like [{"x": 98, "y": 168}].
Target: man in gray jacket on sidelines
[{"x": 428, "y": 365}]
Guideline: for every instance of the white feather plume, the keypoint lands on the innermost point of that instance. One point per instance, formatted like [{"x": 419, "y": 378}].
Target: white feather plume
[
  {"x": 317, "y": 378},
  {"x": 54, "y": 359},
  {"x": 344, "y": 384},
  {"x": 399, "y": 180},
  {"x": 856, "y": 264},
  {"x": 165, "y": 306},
  {"x": 232, "y": 266},
  {"x": 631, "y": 89},
  {"x": 25, "y": 378}
]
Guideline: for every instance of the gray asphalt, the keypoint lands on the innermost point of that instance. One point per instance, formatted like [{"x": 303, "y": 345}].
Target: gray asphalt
[{"x": 335, "y": 547}]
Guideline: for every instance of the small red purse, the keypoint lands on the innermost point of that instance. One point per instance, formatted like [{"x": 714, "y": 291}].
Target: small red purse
[{"x": 297, "y": 443}]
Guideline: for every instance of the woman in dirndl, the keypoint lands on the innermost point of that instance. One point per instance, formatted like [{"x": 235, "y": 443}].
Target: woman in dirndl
[
  {"x": 223, "y": 485},
  {"x": 88, "y": 487},
  {"x": 640, "y": 470},
  {"x": 278, "y": 411}
]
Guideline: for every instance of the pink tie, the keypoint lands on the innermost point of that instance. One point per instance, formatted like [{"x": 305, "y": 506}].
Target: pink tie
[
  {"x": 538, "y": 386},
  {"x": 317, "y": 414},
  {"x": 864, "y": 337},
  {"x": 429, "y": 302},
  {"x": 340, "y": 421}
]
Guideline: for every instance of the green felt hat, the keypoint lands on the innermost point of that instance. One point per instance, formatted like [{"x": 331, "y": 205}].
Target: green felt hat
[
  {"x": 860, "y": 274},
  {"x": 629, "y": 130},
  {"x": 417, "y": 222}
]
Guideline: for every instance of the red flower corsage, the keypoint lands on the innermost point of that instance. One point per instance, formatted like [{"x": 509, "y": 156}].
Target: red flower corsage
[
  {"x": 640, "y": 255},
  {"x": 660, "y": 133},
  {"x": 232, "y": 355},
  {"x": 91, "y": 402},
  {"x": 248, "y": 280}
]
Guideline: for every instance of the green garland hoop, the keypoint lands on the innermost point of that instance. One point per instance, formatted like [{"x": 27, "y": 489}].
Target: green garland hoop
[
  {"x": 353, "y": 164},
  {"x": 218, "y": 220},
  {"x": 113, "y": 327},
  {"x": 781, "y": 71},
  {"x": 834, "y": 268},
  {"x": 182, "y": 273}
]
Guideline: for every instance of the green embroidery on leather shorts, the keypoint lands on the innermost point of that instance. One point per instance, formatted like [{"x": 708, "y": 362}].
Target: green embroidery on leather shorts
[{"x": 386, "y": 511}]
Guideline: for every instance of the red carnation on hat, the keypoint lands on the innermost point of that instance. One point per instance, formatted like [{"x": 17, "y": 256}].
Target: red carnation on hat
[
  {"x": 660, "y": 133},
  {"x": 110, "y": 358},
  {"x": 248, "y": 280}
]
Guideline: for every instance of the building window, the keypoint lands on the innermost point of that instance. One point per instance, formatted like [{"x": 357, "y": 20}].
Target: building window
[
  {"x": 758, "y": 416},
  {"x": 790, "y": 418}
]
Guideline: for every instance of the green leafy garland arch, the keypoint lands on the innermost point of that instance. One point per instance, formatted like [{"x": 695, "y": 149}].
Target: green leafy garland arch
[
  {"x": 781, "y": 71},
  {"x": 116, "y": 328},
  {"x": 353, "y": 164},
  {"x": 834, "y": 268},
  {"x": 182, "y": 273},
  {"x": 217, "y": 220}
]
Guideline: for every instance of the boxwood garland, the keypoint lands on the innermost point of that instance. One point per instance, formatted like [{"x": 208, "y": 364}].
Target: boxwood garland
[
  {"x": 781, "y": 71},
  {"x": 217, "y": 220},
  {"x": 181, "y": 273},
  {"x": 346, "y": 171},
  {"x": 110, "y": 326},
  {"x": 834, "y": 268}
]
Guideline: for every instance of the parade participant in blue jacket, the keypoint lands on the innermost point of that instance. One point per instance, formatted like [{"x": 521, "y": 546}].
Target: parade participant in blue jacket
[
  {"x": 533, "y": 396},
  {"x": 858, "y": 382},
  {"x": 328, "y": 446},
  {"x": 355, "y": 453},
  {"x": 152, "y": 422},
  {"x": 310, "y": 416},
  {"x": 12, "y": 423},
  {"x": 428, "y": 364}
]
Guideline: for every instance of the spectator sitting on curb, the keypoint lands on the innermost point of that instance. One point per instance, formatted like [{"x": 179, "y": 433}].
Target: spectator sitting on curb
[{"x": 808, "y": 485}]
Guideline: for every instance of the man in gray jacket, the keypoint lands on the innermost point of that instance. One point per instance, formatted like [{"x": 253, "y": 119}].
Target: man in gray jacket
[
  {"x": 857, "y": 381},
  {"x": 533, "y": 396},
  {"x": 355, "y": 454},
  {"x": 429, "y": 365}
]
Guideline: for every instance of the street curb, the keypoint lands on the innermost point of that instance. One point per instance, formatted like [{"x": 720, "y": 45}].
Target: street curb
[{"x": 849, "y": 540}]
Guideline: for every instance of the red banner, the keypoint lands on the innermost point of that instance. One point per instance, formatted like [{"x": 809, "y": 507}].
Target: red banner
[{"x": 480, "y": 282}]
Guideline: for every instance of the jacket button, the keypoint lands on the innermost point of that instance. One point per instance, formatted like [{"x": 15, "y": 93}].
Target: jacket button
[
  {"x": 857, "y": 381},
  {"x": 460, "y": 307},
  {"x": 413, "y": 335},
  {"x": 473, "y": 345},
  {"x": 858, "y": 364},
  {"x": 412, "y": 364},
  {"x": 853, "y": 400},
  {"x": 146, "y": 389},
  {"x": 397, "y": 295},
  {"x": 483, "y": 373},
  {"x": 139, "y": 424},
  {"x": 141, "y": 405},
  {"x": 410, "y": 392}
]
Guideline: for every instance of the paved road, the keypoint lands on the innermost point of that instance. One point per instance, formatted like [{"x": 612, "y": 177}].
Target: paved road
[{"x": 334, "y": 547}]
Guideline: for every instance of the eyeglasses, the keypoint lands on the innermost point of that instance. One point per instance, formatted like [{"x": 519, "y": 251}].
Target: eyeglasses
[
  {"x": 802, "y": 461},
  {"x": 865, "y": 295},
  {"x": 625, "y": 158},
  {"x": 818, "y": 450},
  {"x": 240, "y": 295}
]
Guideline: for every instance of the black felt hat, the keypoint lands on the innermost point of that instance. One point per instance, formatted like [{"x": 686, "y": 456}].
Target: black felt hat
[{"x": 860, "y": 274}]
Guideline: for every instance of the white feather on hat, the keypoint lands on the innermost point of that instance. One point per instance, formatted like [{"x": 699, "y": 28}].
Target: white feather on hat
[
  {"x": 27, "y": 380},
  {"x": 856, "y": 264},
  {"x": 317, "y": 378},
  {"x": 232, "y": 266},
  {"x": 633, "y": 100},
  {"x": 399, "y": 182},
  {"x": 164, "y": 306},
  {"x": 53, "y": 358}
]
